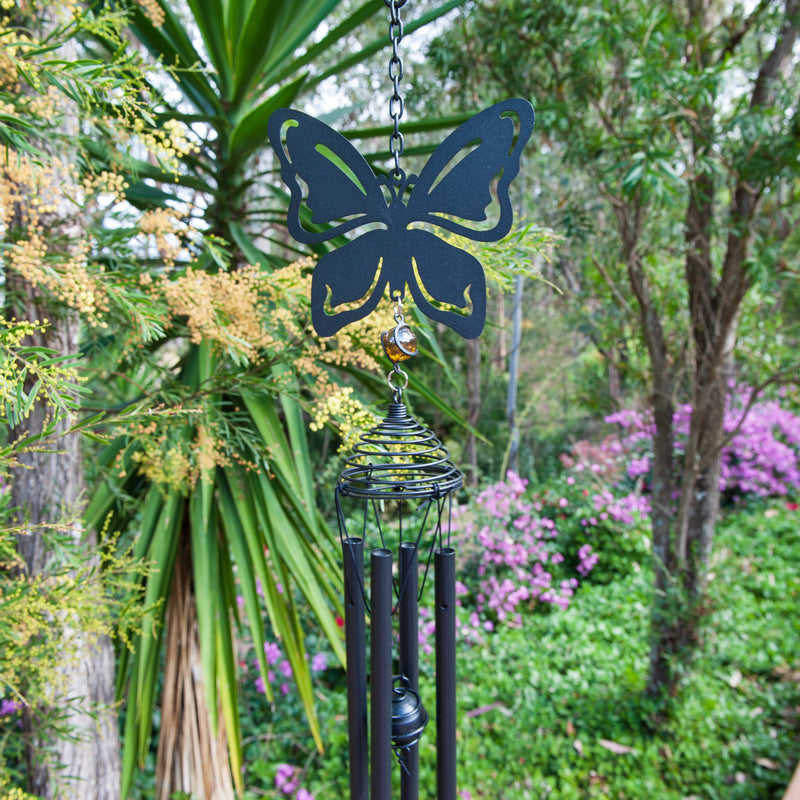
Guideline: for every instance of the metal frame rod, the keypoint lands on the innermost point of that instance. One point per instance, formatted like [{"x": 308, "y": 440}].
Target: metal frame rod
[
  {"x": 381, "y": 673},
  {"x": 356, "y": 650},
  {"x": 409, "y": 655},
  {"x": 444, "y": 560}
]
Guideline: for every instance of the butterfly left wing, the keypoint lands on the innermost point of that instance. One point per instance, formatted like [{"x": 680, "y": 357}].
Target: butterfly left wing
[
  {"x": 344, "y": 286},
  {"x": 457, "y": 179},
  {"x": 332, "y": 185},
  {"x": 340, "y": 186}
]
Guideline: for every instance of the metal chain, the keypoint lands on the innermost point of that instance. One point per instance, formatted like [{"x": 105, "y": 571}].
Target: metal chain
[
  {"x": 396, "y": 104},
  {"x": 396, "y": 107}
]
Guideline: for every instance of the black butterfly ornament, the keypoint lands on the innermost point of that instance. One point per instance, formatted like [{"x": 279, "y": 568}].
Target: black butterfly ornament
[{"x": 334, "y": 191}]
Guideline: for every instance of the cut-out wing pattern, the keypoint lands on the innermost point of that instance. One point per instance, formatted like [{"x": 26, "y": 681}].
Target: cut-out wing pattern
[{"x": 331, "y": 184}]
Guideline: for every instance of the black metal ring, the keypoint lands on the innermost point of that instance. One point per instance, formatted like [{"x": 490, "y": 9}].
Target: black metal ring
[{"x": 395, "y": 3}]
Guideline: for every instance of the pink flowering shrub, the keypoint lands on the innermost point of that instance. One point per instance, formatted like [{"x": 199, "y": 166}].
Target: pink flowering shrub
[
  {"x": 761, "y": 456},
  {"x": 287, "y": 782},
  {"x": 612, "y": 509},
  {"x": 604, "y": 523},
  {"x": 275, "y": 658},
  {"x": 513, "y": 560}
]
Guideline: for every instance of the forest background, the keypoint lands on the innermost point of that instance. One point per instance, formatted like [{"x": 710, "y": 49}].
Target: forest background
[{"x": 173, "y": 422}]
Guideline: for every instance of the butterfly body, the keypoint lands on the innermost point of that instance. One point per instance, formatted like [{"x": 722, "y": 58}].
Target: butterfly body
[{"x": 332, "y": 185}]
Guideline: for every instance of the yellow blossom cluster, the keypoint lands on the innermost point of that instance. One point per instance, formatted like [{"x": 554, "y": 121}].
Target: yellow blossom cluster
[
  {"x": 65, "y": 275},
  {"x": 287, "y": 291},
  {"x": 354, "y": 345},
  {"x": 223, "y": 307},
  {"x": 29, "y": 191},
  {"x": 251, "y": 314},
  {"x": 47, "y": 205},
  {"x": 169, "y": 467},
  {"x": 208, "y": 452},
  {"x": 153, "y": 11},
  {"x": 167, "y": 144},
  {"x": 37, "y": 198},
  {"x": 165, "y": 225},
  {"x": 28, "y": 374},
  {"x": 111, "y": 185},
  {"x": 15, "y": 793},
  {"x": 346, "y": 413},
  {"x": 42, "y": 612},
  {"x": 174, "y": 132},
  {"x": 174, "y": 461},
  {"x": 44, "y": 106},
  {"x": 12, "y": 40},
  {"x": 12, "y": 334}
]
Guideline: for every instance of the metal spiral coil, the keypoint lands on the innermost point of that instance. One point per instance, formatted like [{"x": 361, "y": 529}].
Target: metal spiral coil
[{"x": 399, "y": 459}]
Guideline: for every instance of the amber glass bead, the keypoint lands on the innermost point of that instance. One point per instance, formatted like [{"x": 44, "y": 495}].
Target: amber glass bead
[{"x": 399, "y": 343}]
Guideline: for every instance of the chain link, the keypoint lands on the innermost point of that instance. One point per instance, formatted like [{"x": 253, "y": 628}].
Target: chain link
[{"x": 396, "y": 105}]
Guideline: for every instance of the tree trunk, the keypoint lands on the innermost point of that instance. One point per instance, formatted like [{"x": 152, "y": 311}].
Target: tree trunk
[
  {"x": 501, "y": 349},
  {"x": 513, "y": 375},
  {"x": 190, "y": 758},
  {"x": 614, "y": 382},
  {"x": 474, "y": 406},
  {"x": 47, "y": 488},
  {"x": 663, "y": 613},
  {"x": 715, "y": 309}
]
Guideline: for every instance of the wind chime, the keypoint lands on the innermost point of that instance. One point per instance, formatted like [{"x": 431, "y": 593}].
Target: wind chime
[{"x": 399, "y": 478}]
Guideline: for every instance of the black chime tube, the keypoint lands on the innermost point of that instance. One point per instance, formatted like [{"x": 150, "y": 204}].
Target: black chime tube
[
  {"x": 444, "y": 560},
  {"x": 409, "y": 656},
  {"x": 356, "y": 651},
  {"x": 381, "y": 674}
]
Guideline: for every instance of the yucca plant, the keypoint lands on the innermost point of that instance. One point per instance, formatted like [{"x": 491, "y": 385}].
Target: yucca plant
[{"x": 219, "y": 495}]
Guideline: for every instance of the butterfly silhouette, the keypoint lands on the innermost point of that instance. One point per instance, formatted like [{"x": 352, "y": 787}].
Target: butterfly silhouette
[{"x": 334, "y": 191}]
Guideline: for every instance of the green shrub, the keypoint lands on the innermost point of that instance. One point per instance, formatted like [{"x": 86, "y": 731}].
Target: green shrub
[{"x": 555, "y": 708}]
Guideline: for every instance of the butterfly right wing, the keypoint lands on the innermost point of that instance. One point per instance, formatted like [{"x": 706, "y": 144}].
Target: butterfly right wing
[
  {"x": 326, "y": 176},
  {"x": 455, "y": 187}
]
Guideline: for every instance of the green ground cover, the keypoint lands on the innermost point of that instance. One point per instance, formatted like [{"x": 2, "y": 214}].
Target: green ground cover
[{"x": 554, "y": 707}]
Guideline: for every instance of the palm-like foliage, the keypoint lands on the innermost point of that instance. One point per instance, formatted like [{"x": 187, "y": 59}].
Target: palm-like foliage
[{"x": 249, "y": 530}]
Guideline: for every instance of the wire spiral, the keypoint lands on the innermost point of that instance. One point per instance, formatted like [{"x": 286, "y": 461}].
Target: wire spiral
[{"x": 399, "y": 459}]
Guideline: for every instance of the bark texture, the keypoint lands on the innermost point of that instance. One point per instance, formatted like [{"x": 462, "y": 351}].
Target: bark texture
[
  {"x": 48, "y": 489},
  {"x": 190, "y": 758},
  {"x": 474, "y": 401}
]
